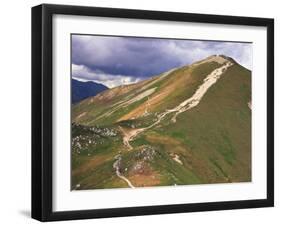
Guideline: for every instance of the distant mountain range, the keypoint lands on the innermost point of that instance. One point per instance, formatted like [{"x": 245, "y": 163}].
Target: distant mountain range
[
  {"x": 83, "y": 90},
  {"x": 189, "y": 125}
]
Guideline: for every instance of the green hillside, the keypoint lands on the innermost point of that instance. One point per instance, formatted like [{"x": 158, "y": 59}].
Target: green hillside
[{"x": 191, "y": 125}]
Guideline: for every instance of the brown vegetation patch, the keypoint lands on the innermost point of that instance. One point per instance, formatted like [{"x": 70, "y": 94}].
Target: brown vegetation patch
[
  {"x": 92, "y": 163},
  {"x": 118, "y": 91},
  {"x": 152, "y": 102},
  {"x": 145, "y": 179},
  {"x": 177, "y": 81},
  {"x": 173, "y": 145}
]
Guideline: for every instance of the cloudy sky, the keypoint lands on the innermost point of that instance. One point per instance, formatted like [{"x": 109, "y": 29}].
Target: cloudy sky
[{"x": 114, "y": 61}]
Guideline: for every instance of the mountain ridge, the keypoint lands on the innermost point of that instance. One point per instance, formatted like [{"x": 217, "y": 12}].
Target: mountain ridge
[
  {"x": 107, "y": 95},
  {"x": 192, "y": 123},
  {"x": 135, "y": 85}
]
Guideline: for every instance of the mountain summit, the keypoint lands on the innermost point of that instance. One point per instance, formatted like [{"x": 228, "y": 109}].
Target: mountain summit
[{"x": 189, "y": 125}]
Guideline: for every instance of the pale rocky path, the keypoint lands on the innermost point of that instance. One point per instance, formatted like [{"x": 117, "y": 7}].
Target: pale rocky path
[
  {"x": 116, "y": 166},
  {"x": 193, "y": 101},
  {"x": 189, "y": 103},
  {"x": 129, "y": 135},
  {"x": 208, "y": 82}
]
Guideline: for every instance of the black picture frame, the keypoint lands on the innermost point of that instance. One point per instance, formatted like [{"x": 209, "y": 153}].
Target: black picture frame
[{"x": 42, "y": 107}]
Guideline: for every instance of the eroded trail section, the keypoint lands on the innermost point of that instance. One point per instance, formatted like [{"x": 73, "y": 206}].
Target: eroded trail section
[
  {"x": 193, "y": 101},
  {"x": 189, "y": 103},
  {"x": 116, "y": 166},
  {"x": 128, "y": 135}
]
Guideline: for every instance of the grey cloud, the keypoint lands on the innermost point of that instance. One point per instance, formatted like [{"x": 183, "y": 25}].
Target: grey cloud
[{"x": 144, "y": 57}]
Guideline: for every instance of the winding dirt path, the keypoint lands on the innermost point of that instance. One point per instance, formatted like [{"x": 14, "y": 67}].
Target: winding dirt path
[
  {"x": 189, "y": 103},
  {"x": 194, "y": 100},
  {"x": 116, "y": 166},
  {"x": 129, "y": 135}
]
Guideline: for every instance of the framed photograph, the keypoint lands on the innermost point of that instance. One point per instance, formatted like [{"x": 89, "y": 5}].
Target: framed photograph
[{"x": 145, "y": 112}]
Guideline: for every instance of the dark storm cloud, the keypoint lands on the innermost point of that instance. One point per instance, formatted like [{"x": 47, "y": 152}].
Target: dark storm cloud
[
  {"x": 138, "y": 58},
  {"x": 126, "y": 56}
]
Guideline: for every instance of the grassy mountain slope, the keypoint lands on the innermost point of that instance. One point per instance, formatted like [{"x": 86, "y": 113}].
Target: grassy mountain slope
[{"x": 122, "y": 132}]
